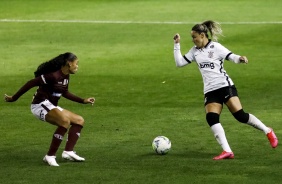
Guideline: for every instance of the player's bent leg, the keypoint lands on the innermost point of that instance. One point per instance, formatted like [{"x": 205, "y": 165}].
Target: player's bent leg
[
  {"x": 77, "y": 123},
  {"x": 57, "y": 117},
  {"x": 74, "y": 118},
  {"x": 56, "y": 140},
  {"x": 233, "y": 104},
  {"x": 235, "y": 108},
  {"x": 255, "y": 122},
  {"x": 241, "y": 116},
  {"x": 250, "y": 119}
]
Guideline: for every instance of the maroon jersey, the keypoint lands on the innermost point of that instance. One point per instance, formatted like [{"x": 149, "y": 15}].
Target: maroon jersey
[{"x": 51, "y": 87}]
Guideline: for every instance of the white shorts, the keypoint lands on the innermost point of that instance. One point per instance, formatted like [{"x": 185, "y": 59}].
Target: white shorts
[{"x": 40, "y": 110}]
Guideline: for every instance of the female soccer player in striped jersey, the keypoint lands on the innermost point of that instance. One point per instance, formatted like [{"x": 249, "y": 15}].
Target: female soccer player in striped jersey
[
  {"x": 52, "y": 78},
  {"x": 219, "y": 89}
]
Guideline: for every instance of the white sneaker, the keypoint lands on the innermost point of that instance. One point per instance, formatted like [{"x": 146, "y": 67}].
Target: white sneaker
[
  {"x": 51, "y": 160},
  {"x": 71, "y": 155}
]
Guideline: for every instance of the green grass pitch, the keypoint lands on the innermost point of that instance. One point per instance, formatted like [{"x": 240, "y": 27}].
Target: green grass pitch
[{"x": 125, "y": 48}]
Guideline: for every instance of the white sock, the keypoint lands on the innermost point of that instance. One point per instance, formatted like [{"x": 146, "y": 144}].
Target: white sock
[
  {"x": 219, "y": 135},
  {"x": 256, "y": 123}
]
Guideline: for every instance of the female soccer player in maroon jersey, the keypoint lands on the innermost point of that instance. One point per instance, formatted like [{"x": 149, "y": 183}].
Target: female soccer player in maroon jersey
[
  {"x": 219, "y": 89},
  {"x": 52, "y": 78}
]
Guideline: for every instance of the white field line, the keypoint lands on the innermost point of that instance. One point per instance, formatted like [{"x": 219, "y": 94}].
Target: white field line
[{"x": 127, "y": 22}]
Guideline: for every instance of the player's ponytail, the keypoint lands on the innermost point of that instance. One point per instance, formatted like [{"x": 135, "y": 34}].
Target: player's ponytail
[
  {"x": 210, "y": 26},
  {"x": 54, "y": 64}
]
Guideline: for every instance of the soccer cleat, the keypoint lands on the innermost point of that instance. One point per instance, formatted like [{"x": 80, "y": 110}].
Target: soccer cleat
[
  {"x": 71, "y": 155},
  {"x": 51, "y": 160},
  {"x": 224, "y": 155},
  {"x": 272, "y": 138}
]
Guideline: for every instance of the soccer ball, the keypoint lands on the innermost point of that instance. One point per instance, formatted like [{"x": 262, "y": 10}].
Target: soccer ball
[{"x": 161, "y": 145}]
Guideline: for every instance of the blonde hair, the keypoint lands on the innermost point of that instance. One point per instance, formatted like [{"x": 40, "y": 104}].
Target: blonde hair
[{"x": 210, "y": 26}]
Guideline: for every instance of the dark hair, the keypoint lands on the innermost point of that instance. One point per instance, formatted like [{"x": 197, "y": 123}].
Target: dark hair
[
  {"x": 54, "y": 64},
  {"x": 208, "y": 26}
]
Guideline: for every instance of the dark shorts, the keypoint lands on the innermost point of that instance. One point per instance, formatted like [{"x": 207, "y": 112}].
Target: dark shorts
[{"x": 221, "y": 95}]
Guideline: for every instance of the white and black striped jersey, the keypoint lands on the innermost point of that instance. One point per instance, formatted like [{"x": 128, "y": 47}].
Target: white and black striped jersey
[{"x": 210, "y": 61}]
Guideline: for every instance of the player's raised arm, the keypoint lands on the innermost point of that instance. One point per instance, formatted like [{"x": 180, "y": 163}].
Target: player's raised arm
[{"x": 178, "y": 58}]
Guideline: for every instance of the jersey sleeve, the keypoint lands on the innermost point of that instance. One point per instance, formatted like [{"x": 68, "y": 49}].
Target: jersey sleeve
[
  {"x": 47, "y": 78},
  {"x": 179, "y": 59},
  {"x": 73, "y": 97},
  {"x": 189, "y": 56},
  {"x": 226, "y": 54},
  {"x": 27, "y": 86},
  {"x": 223, "y": 52}
]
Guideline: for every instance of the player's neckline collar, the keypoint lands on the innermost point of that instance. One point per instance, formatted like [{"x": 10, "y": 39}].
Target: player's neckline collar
[{"x": 205, "y": 45}]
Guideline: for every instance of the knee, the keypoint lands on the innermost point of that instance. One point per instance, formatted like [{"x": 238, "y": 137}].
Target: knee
[
  {"x": 212, "y": 118},
  {"x": 64, "y": 121},
  {"x": 80, "y": 120},
  {"x": 241, "y": 116}
]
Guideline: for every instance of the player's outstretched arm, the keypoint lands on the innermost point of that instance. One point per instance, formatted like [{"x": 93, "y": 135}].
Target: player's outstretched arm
[
  {"x": 30, "y": 84},
  {"x": 72, "y": 97},
  {"x": 178, "y": 58},
  {"x": 237, "y": 58}
]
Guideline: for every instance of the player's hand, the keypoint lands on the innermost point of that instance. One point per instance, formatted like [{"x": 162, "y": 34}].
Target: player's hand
[
  {"x": 243, "y": 59},
  {"x": 176, "y": 38},
  {"x": 90, "y": 100},
  {"x": 8, "y": 98}
]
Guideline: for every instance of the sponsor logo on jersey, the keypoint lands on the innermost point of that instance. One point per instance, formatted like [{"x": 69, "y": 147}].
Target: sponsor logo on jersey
[
  {"x": 206, "y": 65},
  {"x": 57, "y": 94}
]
